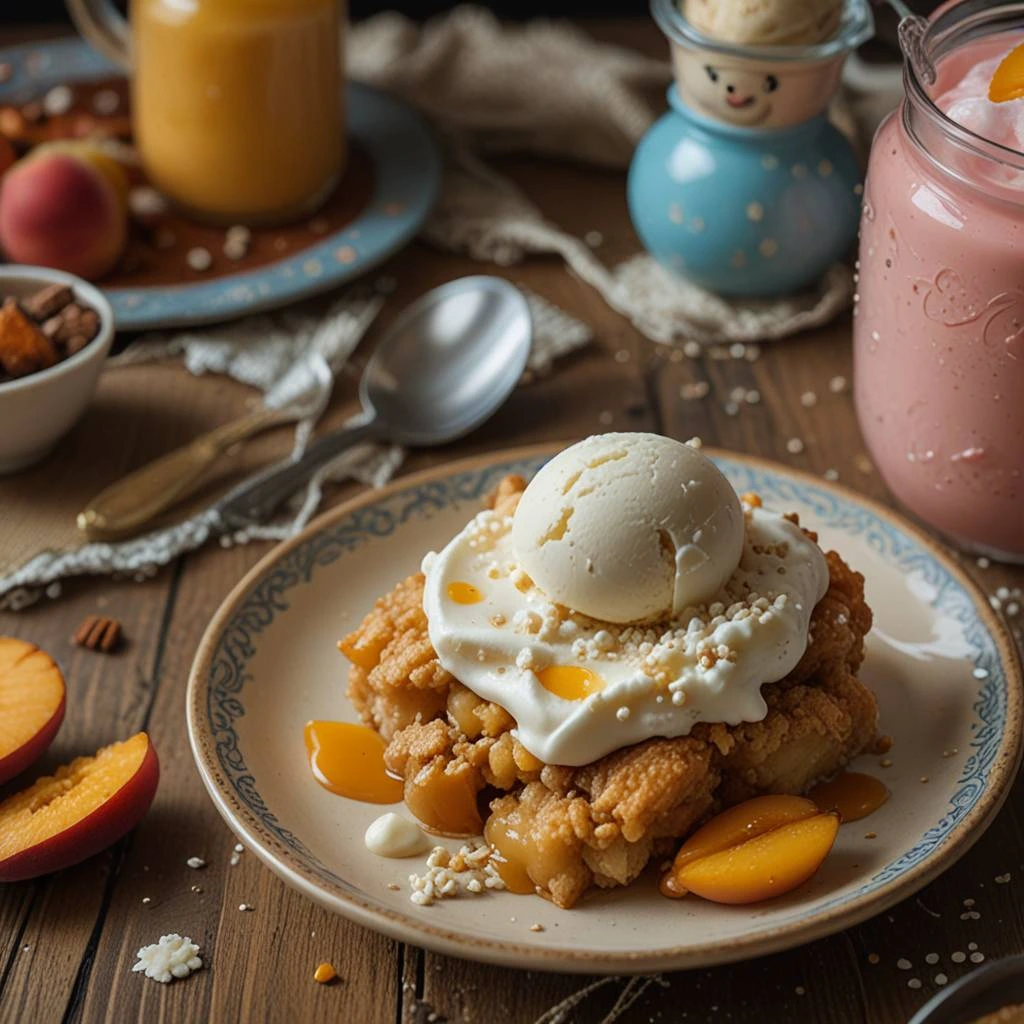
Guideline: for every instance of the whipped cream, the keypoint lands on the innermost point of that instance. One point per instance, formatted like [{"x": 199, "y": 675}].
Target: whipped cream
[
  {"x": 506, "y": 640},
  {"x": 391, "y": 835}
]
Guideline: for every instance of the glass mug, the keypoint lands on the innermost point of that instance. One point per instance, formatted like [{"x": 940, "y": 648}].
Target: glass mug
[
  {"x": 939, "y": 321},
  {"x": 237, "y": 105}
]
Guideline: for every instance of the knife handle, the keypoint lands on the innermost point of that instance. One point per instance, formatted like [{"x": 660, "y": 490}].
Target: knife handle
[{"x": 140, "y": 496}]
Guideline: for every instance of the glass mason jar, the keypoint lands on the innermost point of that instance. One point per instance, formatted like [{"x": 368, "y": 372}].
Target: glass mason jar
[
  {"x": 939, "y": 320},
  {"x": 236, "y": 104}
]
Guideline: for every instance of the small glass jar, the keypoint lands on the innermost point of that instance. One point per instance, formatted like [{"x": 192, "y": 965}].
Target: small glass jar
[
  {"x": 237, "y": 107},
  {"x": 939, "y": 317}
]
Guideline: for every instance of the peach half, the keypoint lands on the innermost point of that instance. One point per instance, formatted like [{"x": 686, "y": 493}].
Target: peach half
[
  {"x": 32, "y": 700},
  {"x": 63, "y": 207},
  {"x": 754, "y": 851},
  {"x": 82, "y": 808}
]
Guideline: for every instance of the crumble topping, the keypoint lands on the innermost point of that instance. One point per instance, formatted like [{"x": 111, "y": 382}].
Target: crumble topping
[
  {"x": 487, "y": 529},
  {"x": 469, "y": 872},
  {"x": 172, "y": 957}
]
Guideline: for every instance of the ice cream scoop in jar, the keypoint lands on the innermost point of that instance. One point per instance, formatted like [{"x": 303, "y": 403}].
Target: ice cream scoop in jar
[{"x": 744, "y": 186}]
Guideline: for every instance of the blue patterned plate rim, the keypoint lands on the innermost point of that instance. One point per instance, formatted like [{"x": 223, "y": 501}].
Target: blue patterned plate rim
[
  {"x": 219, "y": 674},
  {"x": 407, "y": 165}
]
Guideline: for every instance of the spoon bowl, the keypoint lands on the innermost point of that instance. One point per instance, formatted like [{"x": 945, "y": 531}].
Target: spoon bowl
[
  {"x": 449, "y": 361},
  {"x": 446, "y": 365}
]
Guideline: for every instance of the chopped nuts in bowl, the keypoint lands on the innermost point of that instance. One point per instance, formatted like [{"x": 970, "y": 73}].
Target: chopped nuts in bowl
[{"x": 55, "y": 332}]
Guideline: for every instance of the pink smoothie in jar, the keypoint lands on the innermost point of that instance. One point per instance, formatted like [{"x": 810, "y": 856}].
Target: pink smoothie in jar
[{"x": 939, "y": 321}]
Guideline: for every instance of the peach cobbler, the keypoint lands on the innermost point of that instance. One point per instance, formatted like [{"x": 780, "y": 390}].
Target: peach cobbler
[{"x": 603, "y": 659}]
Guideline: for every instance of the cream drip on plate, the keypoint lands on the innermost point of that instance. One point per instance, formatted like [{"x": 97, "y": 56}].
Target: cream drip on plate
[
  {"x": 391, "y": 835},
  {"x": 579, "y": 687}
]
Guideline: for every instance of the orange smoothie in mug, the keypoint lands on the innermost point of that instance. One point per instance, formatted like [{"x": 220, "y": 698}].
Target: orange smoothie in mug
[{"x": 237, "y": 104}]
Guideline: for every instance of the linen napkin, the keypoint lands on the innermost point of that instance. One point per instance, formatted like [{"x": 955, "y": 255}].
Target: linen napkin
[{"x": 549, "y": 89}]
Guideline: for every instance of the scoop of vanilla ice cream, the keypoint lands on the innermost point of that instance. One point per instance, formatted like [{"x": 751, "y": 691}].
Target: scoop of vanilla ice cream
[
  {"x": 628, "y": 527},
  {"x": 765, "y": 22}
]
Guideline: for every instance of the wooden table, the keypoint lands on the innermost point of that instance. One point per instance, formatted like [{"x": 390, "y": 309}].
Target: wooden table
[{"x": 67, "y": 943}]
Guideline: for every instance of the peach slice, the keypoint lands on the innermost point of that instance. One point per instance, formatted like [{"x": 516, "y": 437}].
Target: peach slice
[
  {"x": 757, "y": 850},
  {"x": 32, "y": 699},
  {"x": 82, "y": 808},
  {"x": 1008, "y": 81}
]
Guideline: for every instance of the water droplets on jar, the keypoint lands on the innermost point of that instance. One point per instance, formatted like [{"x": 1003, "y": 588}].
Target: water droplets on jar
[{"x": 973, "y": 453}]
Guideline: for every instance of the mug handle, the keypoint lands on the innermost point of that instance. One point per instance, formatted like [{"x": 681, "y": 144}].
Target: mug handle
[{"x": 103, "y": 27}]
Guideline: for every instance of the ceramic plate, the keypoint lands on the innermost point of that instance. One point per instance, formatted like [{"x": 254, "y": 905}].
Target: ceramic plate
[
  {"x": 943, "y": 667},
  {"x": 407, "y": 175}
]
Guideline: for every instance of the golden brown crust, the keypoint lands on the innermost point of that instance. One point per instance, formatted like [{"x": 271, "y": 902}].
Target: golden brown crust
[
  {"x": 395, "y": 676},
  {"x": 600, "y": 824}
]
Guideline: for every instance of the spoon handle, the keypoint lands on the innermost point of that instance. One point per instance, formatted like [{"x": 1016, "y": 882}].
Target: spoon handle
[
  {"x": 143, "y": 494},
  {"x": 255, "y": 499}
]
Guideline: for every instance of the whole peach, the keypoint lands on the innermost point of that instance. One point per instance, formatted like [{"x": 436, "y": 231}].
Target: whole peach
[
  {"x": 58, "y": 210},
  {"x": 96, "y": 155}
]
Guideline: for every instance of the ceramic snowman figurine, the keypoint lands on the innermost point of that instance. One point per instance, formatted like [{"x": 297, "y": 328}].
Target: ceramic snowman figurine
[{"x": 744, "y": 186}]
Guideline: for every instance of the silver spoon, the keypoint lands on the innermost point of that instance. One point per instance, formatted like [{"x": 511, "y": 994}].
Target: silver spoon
[{"x": 445, "y": 366}]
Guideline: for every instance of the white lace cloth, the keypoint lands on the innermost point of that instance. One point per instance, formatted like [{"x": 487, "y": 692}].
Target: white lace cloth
[
  {"x": 548, "y": 89},
  {"x": 259, "y": 351}
]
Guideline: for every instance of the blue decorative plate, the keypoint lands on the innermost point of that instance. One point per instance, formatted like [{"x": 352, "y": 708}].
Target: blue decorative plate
[
  {"x": 406, "y": 168},
  {"x": 942, "y": 665}
]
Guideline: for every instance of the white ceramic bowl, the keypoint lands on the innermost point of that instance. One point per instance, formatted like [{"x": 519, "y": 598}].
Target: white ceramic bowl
[{"x": 37, "y": 410}]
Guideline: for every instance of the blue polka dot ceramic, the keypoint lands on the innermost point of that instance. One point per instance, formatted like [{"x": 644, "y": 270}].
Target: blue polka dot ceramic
[
  {"x": 744, "y": 211},
  {"x": 743, "y": 186}
]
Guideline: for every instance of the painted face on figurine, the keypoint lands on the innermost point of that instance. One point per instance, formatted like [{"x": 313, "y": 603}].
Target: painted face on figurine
[
  {"x": 754, "y": 93},
  {"x": 741, "y": 96}
]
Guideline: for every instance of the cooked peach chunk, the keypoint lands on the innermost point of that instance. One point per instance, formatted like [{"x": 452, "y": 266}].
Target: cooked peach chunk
[
  {"x": 445, "y": 801},
  {"x": 79, "y": 810},
  {"x": 757, "y": 850},
  {"x": 31, "y": 704},
  {"x": 362, "y": 652}
]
